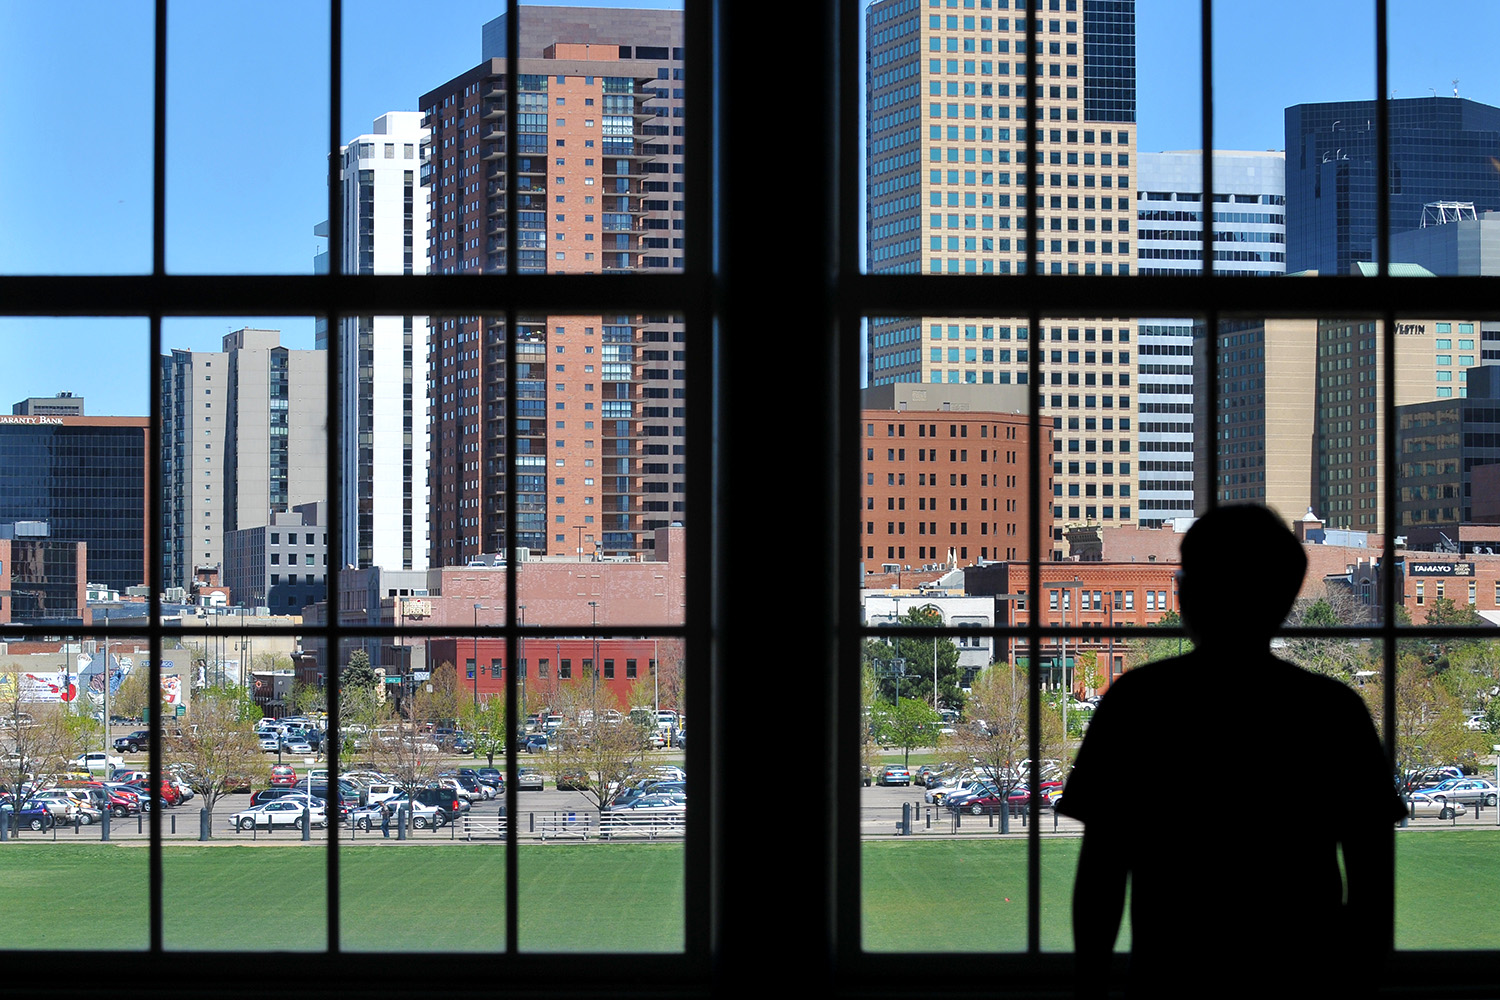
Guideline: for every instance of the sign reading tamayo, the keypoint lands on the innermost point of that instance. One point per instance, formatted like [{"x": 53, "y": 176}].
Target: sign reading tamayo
[{"x": 1439, "y": 569}]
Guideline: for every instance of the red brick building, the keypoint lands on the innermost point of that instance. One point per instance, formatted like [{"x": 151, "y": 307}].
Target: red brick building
[
  {"x": 945, "y": 475},
  {"x": 1083, "y": 595},
  {"x": 548, "y": 665}
]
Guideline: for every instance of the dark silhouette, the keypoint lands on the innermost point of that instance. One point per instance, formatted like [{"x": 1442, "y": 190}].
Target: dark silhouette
[{"x": 1222, "y": 785}]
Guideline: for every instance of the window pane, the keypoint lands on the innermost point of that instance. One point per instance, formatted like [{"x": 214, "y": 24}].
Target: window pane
[
  {"x": 1445, "y": 731},
  {"x": 244, "y": 474},
  {"x": 411, "y": 774},
  {"x": 1259, "y": 71},
  {"x": 73, "y": 448},
  {"x": 62, "y": 213},
  {"x": 946, "y": 141},
  {"x": 245, "y": 189},
  {"x": 605, "y": 745},
  {"x": 52, "y": 721},
  {"x": 1442, "y": 180}
]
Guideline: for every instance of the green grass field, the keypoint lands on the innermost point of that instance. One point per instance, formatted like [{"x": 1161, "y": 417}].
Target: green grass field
[
  {"x": 448, "y": 897},
  {"x": 932, "y": 895},
  {"x": 971, "y": 896}
]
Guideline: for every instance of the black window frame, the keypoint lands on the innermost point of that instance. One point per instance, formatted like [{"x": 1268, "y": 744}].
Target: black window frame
[{"x": 739, "y": 868}]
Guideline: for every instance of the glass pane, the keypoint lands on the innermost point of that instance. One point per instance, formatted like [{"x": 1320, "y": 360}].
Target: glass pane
[
  {"x": 1443, "y": 180},
  {"x": 244, "y": 473},
  {"x": 409, "y": 772},
  {"x": 946, "y": 140},
  {"x": 244, "y": 190},
  {"x": 62, "y": 213},
  {"x": 1446, "y": 731},
  {"x": 60, "y": 769},
  {"x": 604, "y": 730},
  {"x": 1292, "y": 92},
  {"x": 75, "y": 448}
]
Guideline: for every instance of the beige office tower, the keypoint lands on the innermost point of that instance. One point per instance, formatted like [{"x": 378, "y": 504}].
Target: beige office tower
[
  {"x": 1299, "y": 407},
  {"x": 946, "y": 173},
  {"x": 1265, "y": 421},
  {"x": 1431, "y": 358},
  {"x": 243, "y": 437}
]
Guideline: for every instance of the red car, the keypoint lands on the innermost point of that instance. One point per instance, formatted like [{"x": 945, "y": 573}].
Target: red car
[{"x": 283, "y": 775}]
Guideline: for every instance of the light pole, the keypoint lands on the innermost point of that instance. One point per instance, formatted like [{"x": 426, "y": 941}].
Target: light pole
[
  {"x": 594, "y": 663},
  {"x": 521, "y": 610},
  {"x": 475, "y": 637},
  {"x": 1067, "y": 587}
]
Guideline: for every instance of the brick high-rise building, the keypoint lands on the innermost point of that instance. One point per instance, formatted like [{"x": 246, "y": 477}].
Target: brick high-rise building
[
  {"x": 947, "y": 144},
  {"x": 599, "y": 411},
  {"x": 945, "y": 475}
]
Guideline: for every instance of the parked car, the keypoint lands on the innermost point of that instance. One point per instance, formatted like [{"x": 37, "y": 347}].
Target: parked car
[
  {"x": 281, "y": 812},
  {"x": 34, "y": 816},
  {"x": 536, "y": 743},
  {"x": 528, "y": 780},
  {"x": 283, "y": 774},
  {"x": 134, "y": 742},
  {"x": 1424, "y": 805},
  {"x": 894, "y": 774},
  {"x": 1469, "y": 790},
  {"x": 423, "y": 815},
  {"x": 96, "y": 761}
]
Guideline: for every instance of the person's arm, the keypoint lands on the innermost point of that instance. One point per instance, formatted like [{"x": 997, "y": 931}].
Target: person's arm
[{"x": 1098, "y": 908}]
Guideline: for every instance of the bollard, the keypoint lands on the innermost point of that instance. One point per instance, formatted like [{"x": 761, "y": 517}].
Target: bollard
[
  {"x": 401, "y": 823},
  {"x": 77, "y": 825},
  {"x": 104, "y": 826},
  {"x": 140, "y": 819},
  {"x": 174, "y": 823},
  {"x": 1005, "y": 820},
  {"x": 307, "y": 822},
  {"x": 903, "y": 828},
  {"x": 205, "y": 824},
  {"x": 5, "y": 827}
]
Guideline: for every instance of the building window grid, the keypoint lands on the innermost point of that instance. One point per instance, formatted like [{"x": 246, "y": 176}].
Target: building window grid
[{"x": 1318, "y": 296}]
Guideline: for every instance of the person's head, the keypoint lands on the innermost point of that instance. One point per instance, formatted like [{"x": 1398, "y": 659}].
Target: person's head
[{"x": 1241, "y": 570}]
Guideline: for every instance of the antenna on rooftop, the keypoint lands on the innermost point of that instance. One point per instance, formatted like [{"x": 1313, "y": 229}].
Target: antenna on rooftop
[{"x": 1455, "y": 86}]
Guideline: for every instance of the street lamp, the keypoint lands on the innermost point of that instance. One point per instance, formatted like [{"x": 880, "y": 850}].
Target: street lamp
[
  {"x": 475, "y": 637},
  {"x": 1066, "y": 587},
  {"x": 521, "y": 609},
  {"x": 594, "y": 663}
]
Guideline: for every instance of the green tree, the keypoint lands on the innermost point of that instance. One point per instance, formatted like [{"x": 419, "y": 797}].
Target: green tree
[
  {"x": 1149, "y": 649},
  {"x": 220, "y": 752},
  {"x": 485, "y": 724},
  {"x": 907, "y": 723},
  {"x": 1334, "y": 657},
  {"x": 904, "y": 664},
  {"x": 599, "y": 740},
  {"x": 994, "y": 732},
  {"x": 358, "y": 673}
]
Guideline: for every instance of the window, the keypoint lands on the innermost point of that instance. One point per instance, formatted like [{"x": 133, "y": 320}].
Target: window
[{"x": 725, "y": 607}]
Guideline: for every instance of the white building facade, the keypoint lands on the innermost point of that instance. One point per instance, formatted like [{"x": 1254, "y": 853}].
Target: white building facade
[
  {"x": 383, "y": 452},
  {"x": 1249, "y": 225}
]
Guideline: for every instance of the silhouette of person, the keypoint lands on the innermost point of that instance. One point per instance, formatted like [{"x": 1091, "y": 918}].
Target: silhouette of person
[{"x": 1182, "y": 786}]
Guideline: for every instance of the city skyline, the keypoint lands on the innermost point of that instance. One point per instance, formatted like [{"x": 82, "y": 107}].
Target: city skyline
[{"x": 1325, "y": 59}]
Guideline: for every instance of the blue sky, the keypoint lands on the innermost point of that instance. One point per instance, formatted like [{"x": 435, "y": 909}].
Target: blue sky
[{"x": 246, "y": 144}]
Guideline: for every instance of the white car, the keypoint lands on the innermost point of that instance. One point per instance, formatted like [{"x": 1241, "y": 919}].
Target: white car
[
  {"x": 97, "y": 762},
  {"x": 1423, "y": 804},
  {"x": 278, "y": 812}
]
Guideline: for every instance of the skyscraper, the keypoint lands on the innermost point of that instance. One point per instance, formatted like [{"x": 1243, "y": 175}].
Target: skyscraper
[
  {"x": 1441, "y": 149},
  {"x": 86, "y": 477},
  {"x": 1249, "y": 225},
  {"x": 383, "y": 454},
  {"x": 242, "y": 436},
  {"x": 599, "y": 427},
  {"x": 946, "y": 105}
]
